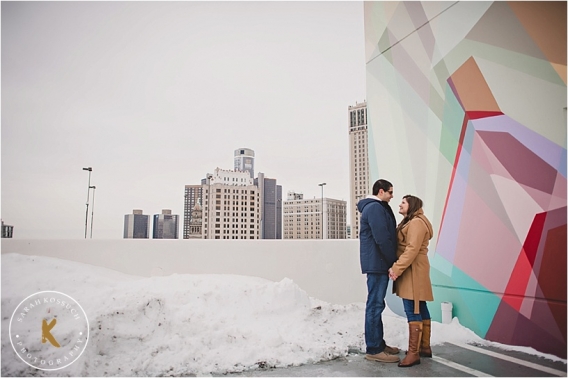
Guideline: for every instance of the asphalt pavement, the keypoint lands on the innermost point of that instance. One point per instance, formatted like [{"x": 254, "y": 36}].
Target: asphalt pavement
[{"x": 449, "y": 360}]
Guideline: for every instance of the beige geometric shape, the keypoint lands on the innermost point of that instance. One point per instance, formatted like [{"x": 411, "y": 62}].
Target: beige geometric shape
[
  {"x": 542, "y": 198},
  {"x": 460, "y": 19},
  {"x": 520, "y": 206},
  {"x": 561, "y": 69},
  {"x": 528, "y": 301},
  {"x": 558, "y": 198},
  {"x": 539, "y": 109},
  {"x": 545, "y": 22},
  {"x": 473, "y": 91}
]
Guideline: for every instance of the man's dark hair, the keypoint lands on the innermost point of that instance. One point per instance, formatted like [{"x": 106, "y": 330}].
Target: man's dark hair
[{"x": 381, "y": 184}]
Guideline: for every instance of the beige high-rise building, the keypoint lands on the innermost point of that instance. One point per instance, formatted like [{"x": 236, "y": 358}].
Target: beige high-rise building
[
  {"x": 303, "y": 218},
  {"x": 231, "y": 206},
  {"x": 358, "y": 162}
]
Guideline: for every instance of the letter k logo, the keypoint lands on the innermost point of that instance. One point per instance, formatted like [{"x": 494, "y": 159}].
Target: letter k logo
[{"x": 46, "y": 334}]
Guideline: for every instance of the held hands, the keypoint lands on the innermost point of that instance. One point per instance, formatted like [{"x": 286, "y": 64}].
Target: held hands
[{"x": 392, "y": 276}]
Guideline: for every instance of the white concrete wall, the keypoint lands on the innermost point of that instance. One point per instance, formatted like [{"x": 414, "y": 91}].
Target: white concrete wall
[{"x": 326, "y": 269}]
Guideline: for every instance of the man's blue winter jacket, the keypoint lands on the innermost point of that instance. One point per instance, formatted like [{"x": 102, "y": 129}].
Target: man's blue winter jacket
[{"x": 377, "y": 236}]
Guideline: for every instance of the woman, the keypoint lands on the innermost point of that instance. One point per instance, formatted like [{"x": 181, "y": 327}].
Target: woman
[{"x": 412, "y": 275}]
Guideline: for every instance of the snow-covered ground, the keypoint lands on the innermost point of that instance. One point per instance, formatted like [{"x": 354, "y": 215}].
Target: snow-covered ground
[{"x": 196, "y": 324}]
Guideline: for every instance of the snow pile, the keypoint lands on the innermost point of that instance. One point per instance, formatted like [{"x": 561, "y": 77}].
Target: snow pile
[{"x": 193, "y": 324}]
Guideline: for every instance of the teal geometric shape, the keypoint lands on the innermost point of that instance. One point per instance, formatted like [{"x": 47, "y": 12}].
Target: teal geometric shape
[
  {"x": 451, "y": 126},
  {"x": 441, "y": 264},
  {"x": 473, "y": 304}
]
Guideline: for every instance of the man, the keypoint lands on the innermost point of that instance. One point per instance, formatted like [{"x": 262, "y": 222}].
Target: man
[{"x": 377, "y": 241}]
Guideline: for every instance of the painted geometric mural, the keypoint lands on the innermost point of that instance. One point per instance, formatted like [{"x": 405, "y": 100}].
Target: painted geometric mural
[{"x": 467, "y": 110}]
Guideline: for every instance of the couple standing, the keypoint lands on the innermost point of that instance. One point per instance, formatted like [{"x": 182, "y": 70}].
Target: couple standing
[{"x": 401, "y": 254}]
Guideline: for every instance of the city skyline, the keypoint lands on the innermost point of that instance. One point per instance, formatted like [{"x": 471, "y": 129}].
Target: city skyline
[{"x": 153, "y": 96}]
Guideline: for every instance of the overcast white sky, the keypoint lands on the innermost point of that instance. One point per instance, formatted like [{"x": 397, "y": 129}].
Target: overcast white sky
[{"x": 154, "y": 95}]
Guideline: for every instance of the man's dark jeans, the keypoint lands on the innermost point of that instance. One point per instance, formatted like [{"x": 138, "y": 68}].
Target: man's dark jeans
[{"x": 376, "y": 291}]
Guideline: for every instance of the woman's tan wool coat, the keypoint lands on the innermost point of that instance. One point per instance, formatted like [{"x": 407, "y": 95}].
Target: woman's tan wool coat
[{"x": 412, "y": 266}]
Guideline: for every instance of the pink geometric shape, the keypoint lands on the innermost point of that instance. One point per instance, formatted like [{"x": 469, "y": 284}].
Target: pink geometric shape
[
  {"x": 523, "y": 164},
  {"x": 481, "y": 220},
  {"x": 481, "y": 154},
  {"x": 450, "y": 225},
  {"x": 544, "y": 148},
  {"x": 495, "y": 166}
]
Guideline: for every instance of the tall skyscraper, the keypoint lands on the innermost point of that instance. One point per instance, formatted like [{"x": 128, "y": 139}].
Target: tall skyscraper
[
  {"x": 270, "y": 207},
  {"x": 244, "y": 160},
  {"x": 303, "y": 218},
  {"x": 136, "y": 225},
  {"x": 165, "y": 225},
  {"x": 358, "y": 162},
  {"x": 193, "y": 195},
  {"x": 279, "y": 206},
  {"x": 231, "y": 207}
]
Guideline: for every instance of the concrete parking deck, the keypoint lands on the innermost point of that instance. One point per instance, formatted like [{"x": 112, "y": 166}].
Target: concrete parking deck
[{"x": 450, "y": 360}]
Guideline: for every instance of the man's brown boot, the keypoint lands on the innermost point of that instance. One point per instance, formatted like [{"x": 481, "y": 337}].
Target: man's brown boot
[
  {"x": 425, "y": 350},
  {"x": 391, "y": 350},
  {"x": 414, "y": 339},
  {"x": 382, "y": 357}
]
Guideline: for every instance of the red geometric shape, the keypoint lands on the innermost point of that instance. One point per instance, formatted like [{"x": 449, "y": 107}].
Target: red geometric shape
[
  {"x": 557, "y": 328},
  {"x": 551, "y": 261},
  {"x": 550, "y": 268},
  {"x": 510, "y": 327},
  {"x": 543, "y": 337},
  {"x": 552, "y": 276},
  {"x": 545, "y": 247},
  {"x": 532, "y": 240},
  {"x": 477, "y": 114},
  {"x": 504, "y": 324},
  {"x": 518, "y": 281},
  {"x": 553, "y": 284}
]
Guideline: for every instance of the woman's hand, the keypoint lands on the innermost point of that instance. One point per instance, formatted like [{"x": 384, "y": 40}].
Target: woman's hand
[{"x": 392, "y": 276}]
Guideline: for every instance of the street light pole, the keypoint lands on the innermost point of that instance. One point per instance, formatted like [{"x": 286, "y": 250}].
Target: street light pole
[
  {"x": 90, "y": 169},
  {"x": 92, "y": 209},
  {"x": 322, "y": 220}
]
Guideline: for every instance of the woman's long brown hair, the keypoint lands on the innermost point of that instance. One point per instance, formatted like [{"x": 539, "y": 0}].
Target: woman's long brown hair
[{"x": 414, "y": 204}]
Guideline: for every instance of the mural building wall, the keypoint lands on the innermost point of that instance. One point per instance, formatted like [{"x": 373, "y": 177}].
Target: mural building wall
[{"x": 467, "y": 110}]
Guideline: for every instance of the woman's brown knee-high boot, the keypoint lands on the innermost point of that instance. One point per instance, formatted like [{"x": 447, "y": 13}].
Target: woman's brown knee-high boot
[
  {"x": 425, "y": 350},
  {"x": 414, "y": 339}
]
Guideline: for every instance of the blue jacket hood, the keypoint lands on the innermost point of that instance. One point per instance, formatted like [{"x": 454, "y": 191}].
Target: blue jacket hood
[{"x": 365, "y": 201}]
